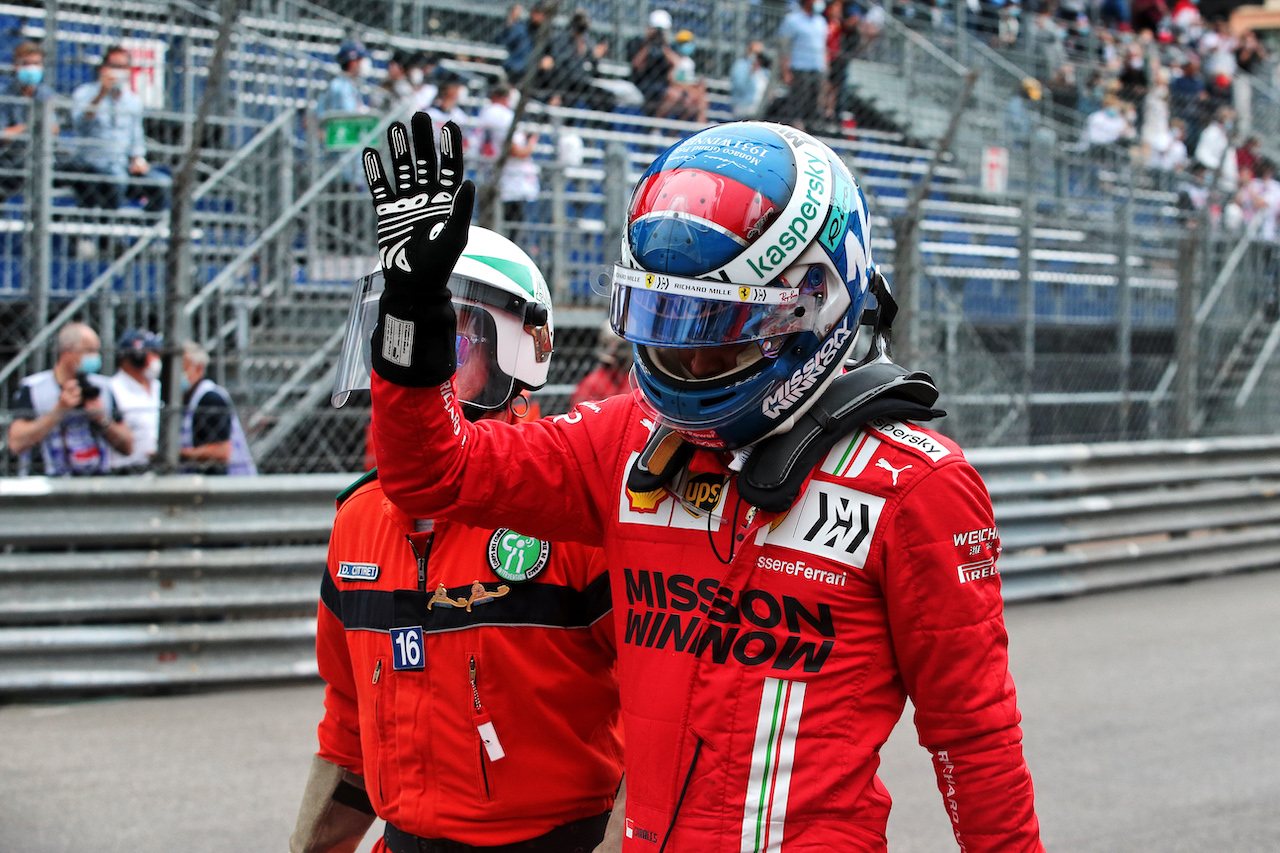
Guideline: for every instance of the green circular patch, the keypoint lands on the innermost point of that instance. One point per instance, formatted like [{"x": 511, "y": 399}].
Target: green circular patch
[{"x": 515, "y": 557}]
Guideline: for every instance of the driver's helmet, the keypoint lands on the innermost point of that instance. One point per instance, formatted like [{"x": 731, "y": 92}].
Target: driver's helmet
[
  {"x": 504, "y": 316},
  {"x": 746, "y": 233}
]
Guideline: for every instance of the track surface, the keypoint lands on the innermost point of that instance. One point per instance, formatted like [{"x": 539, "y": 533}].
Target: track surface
[{"x": 1150, "y": 720}]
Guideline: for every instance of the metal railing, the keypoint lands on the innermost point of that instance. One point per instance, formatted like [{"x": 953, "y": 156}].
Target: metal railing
[{"x": 183, "y": 581}]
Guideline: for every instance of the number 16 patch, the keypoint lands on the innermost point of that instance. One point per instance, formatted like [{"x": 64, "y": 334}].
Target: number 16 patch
[{"x": 406, "y": 647}]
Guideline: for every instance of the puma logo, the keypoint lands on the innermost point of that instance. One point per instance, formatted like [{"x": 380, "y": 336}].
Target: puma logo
[{"x": 881, "y": 463}]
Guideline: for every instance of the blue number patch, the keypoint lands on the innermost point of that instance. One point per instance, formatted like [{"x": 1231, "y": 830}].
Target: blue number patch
[{"x": 406, "y": 648}]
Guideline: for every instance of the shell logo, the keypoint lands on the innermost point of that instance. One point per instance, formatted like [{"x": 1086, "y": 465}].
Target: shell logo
[{"x": 646, "y": 501}]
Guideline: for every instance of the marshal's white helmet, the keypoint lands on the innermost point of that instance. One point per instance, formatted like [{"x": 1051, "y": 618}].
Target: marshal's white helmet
[{"x": 496, "y": 282}]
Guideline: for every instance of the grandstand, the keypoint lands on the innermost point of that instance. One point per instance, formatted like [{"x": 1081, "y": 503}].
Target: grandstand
[{"x": 1048, "y": 304}]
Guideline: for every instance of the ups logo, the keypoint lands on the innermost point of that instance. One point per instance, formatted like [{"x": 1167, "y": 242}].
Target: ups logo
[{"x": 704, "y": 491}]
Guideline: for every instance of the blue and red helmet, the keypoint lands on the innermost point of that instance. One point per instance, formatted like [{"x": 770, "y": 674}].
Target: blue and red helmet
[{"x": 749, "y": 235}]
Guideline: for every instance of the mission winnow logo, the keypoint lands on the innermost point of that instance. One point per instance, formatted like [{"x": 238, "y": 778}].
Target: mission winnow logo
[{"x": 700, "y": 617}]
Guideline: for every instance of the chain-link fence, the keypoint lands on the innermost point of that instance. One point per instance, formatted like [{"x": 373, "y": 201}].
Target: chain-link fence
[{"x": 1058, "y": 285}]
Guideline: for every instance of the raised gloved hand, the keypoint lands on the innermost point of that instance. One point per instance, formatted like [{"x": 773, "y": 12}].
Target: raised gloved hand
[{"x": 423, "y": 217}]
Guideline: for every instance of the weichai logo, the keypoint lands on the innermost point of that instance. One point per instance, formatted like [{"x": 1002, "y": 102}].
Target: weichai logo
[{"x": 700, "y": 617}]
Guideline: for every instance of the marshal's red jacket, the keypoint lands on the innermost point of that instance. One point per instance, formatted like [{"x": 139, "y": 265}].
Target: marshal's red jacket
[
  {"x": 763, "y": 658},
  {"x": 470, "y": 674}
]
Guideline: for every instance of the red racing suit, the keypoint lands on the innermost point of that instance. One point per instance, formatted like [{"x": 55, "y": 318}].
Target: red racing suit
[
  {"x": 414, "y": 678},
  {"x": 765, "y": 658}
]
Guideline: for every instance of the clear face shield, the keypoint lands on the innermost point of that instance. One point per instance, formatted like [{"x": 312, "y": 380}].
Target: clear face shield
[{"x": 482, "y": 379}]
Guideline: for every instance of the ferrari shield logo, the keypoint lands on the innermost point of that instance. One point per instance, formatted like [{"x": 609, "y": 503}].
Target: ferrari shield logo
[
  {"x": 744, "y": 293},
  {"x": 648, "y": 280}
]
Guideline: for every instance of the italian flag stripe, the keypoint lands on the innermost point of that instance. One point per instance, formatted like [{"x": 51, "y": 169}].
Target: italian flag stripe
[{"x": 769, "y": 782}]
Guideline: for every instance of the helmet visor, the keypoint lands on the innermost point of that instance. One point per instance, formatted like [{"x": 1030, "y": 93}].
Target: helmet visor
[
  {"x": 480, "y": 380},
  {"x": 671, "y": 311}
]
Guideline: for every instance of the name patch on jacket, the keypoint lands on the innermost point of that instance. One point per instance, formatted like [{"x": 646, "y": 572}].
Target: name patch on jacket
[
  {"x": 830, "y": 521},
  {"x": 358, "y": 571}
]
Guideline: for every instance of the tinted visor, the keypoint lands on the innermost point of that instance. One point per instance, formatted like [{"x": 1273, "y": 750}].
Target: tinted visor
[{"x": 670, "y": 311}]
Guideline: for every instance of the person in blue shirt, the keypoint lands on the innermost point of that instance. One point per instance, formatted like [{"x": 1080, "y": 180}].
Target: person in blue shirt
[
  {"x": 517, "y": 38},
  {"x": 343, "y": 94},
  {"x": 803, "y": 61},
  {"x": 18, "y": 94},
  {"x": 107, "y": 117}
]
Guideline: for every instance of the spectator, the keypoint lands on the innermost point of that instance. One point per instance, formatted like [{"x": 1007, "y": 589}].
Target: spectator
[
  {"x": 1134, "y": 82},
  {"x": 870, "y": 26},
  {"x": 1106, "y": 130},
  {"x": 69, "y": 411},
  {"x": 1267, "y": 190},
  {"x": 748, "y": 81},
  {"x": 1063, "y": 88},
  {"x": 652, "y": 60},
  {"x": 396, "y": 86},
  {"x": 136, "y": 388},
  {"x": 803, "y": 59},
  {"x": 1008, "y": 26},
  {"x": 1168, "y": 153},
  {"x": 424, "y": 76},
  {"x": 1155, "y": 110},
  {"x": 1214, "y": 151},
  {"x": 687, "y": 94},
  {"x": 517, "y": 38},
  {"x": 570, "y": 64},
  {"x": 1217, "y": 48},
  {"x": 447, "y": 104},
  {"x": 107, "y": 117},
  {"x": 612, "y": 373},
  {"x": 518, "y": 186},
  {"x": 1187, "y": 99},
  {"x": 343, "y": 97},
  {"x": 1247, "y": 155},
  {"x": 1251, "y": 56},
  {"x": 1149, "y": 14},
  {"x": 28, "y": 84},
  {"x": 1220, "y": 93},
  {"x": 213, "y": 441},
  {"x": 1050, "y": 41},
  {"x": 1193, "y": 196}
]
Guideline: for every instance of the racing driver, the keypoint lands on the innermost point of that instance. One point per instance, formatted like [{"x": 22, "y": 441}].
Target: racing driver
[
  {"x": 791, "y": 556},
  {"x": 471, "y": 700}
]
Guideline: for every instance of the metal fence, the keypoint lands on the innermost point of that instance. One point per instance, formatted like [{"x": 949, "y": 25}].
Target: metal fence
[
  {"x": 167, "y": 582},
  {"x": 1050, "y": 308}
]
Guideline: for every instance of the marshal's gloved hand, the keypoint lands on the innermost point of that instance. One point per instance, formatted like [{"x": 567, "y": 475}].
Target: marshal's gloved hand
[{"x": 423, "y": 217}]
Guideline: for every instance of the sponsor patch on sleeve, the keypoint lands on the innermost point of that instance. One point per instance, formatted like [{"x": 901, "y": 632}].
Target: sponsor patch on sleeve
[
  {"x": 830, "y": 521},
  {"x": 908, "y": 436},
  {"x": 358, "y": 571},
  {"x": 978, "y": 570}
]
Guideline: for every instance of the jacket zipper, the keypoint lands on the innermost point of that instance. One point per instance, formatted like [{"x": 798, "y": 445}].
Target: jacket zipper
[
  {"x": 421, "y": 558},
  {"x": 477, "y": 708}
]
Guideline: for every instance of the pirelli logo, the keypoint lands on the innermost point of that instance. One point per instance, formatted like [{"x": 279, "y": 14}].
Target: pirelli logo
[{"x": 978, "y": 570}]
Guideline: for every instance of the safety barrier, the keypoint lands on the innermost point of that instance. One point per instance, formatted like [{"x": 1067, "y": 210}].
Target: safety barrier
[{"x": 126, "y": 585}]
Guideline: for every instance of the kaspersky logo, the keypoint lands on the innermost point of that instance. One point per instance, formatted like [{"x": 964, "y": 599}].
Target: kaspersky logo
[
  {"x": 817, "y": 170},
  {"x": 790, "y": 392}
]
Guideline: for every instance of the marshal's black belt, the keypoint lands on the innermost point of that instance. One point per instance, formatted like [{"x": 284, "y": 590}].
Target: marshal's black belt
[{"x": 581, "y": 836}]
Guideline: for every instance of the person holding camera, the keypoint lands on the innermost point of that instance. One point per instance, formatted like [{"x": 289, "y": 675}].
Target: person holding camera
[
  {"x": 652, "y": 59},
  {"x": 69, "y": 411}
]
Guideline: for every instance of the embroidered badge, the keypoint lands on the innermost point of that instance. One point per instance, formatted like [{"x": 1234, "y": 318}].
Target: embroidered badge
[
  {"x": 515, "y": 557},
  {"x": 358, "y": 571}
]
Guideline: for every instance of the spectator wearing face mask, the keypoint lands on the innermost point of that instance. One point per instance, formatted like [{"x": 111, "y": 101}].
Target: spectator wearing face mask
[
  {"x": 1214, "y": 149},
  {"x": 23, "y": 92},
  {"x": 344, "y": 95},
  {"x": 136, "y": 388},
  {"x": 68, "y": 412},
  {"x": 110, "y": 144}
]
